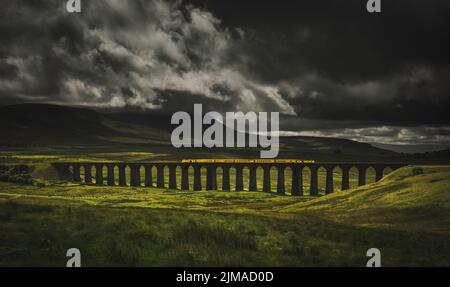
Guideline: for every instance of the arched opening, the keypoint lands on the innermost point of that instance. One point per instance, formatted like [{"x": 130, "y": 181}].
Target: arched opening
[
  {"x": 246, "y": 178},
  {"x": 219, "y": 176},
  {"x": 353, "y": 177},
  {"x": 70, "y": 170},
  {"x": 203, "y": 177},
  {"x": 232, "y": 178},
  {"x": 191, "y": 177},
  {"x": 94, "y": 173},
  {"x": 370, "y": 175},
  {"x": 337, "y": 178},
  {"x": 166, "y": 176},
  {"x": 178, "y": 176},
  {"x": 288, "y": 180},
  {"x": 273, "y": 178},
  {"x": 306, "y": 182},
  {"x": 105, "y": 173},
  {"x": 128, "y": 175},
  {"x": 387, "y": 170},
  {"x": 259, "y": 178},
  {"x": 154, "y": 175},
  {"x": 321, "y": 180},
  {"x": 82, "y": 174}
]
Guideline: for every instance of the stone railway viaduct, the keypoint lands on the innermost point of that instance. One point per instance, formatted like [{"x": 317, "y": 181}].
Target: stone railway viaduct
[{"x": 73, "y": 171}]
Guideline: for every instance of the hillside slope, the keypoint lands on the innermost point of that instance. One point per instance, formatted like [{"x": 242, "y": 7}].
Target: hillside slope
[
  {"x": 411, "y": 198},
  {"x": 40, "y": 124}
]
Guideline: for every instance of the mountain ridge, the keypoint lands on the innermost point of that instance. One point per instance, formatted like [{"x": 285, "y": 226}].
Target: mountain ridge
[{"x": 47, "y": 124}]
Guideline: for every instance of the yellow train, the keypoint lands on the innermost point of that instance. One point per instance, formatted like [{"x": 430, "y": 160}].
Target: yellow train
[{"x": 247, "y": 161}]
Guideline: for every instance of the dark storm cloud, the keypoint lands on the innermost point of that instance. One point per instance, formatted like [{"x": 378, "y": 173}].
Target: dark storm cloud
[
  {"x": 123, "y": 53},
  {"x": 329, "y": 66},
  {"x": 423, "y": 135},
  {"x": 340, "y": 62},
  {"x": 339, "y": 39},
  {"x": 347, "y": 73}
]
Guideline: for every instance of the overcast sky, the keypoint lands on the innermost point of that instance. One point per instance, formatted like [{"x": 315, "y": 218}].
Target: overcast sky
[{"x": 329, "y": 67}]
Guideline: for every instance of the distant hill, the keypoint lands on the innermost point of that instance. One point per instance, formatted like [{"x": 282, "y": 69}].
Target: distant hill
[
  {"x": 338, "y": 148},
  {"x": 411, "y": 149},
  {"x": 41, "y": 124},
  {"x": 53, "y": 125}
]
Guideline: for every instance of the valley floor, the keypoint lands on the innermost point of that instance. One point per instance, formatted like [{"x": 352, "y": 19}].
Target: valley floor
[{"x": 406, "y": 216}]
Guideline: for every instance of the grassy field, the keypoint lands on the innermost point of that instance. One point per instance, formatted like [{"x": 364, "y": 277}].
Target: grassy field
[{"x": 406, "y": 216}]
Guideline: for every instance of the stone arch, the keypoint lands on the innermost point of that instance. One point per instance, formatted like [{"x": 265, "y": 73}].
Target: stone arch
[
  {"x": 105, "y": 171},
  {"x": 337, "y": 177},
  {"x": 353, "y": 177},
  {"x": 82, "y": 173},
  {"x": 127, "y": 175},
  {"x": 94, "y": 173},
  {"x": 71, "y": 170},
  {"x": 166, "y": 175},
  {"x": 141, "y": 170},
  {"x": 232, "y": 178},
  {"x": 370, "y": 174},
  {"x": 154, "y": 175},
  {"x": 203, "y": 176},
  {"x": 321, "y": 179},
  {"x": 178, "y": 175},
  {"x": 191, "y": 177},
  {"x": 273, "y": 178},
  {"x": 246, "y": 177},
  {"x": 219, "y": 176},
  {"x": 306, "y": 179},
  {"x": 259, "y": 177},
  {"x": 288, "y": 180}
]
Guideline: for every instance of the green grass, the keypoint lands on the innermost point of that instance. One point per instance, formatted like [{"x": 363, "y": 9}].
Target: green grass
[
  {"x": 411, "y": 198},
  {"x": 36, "y": 234},
  {"x": 405, "y": 215}
]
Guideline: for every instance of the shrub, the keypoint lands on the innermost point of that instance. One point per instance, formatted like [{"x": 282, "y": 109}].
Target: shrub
[
  {"x": 16, "y": 173},
  {"x": 417, "y": 171},
  {"x": 21, "y": 178},
  {"x": 4, "y": 177}
]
